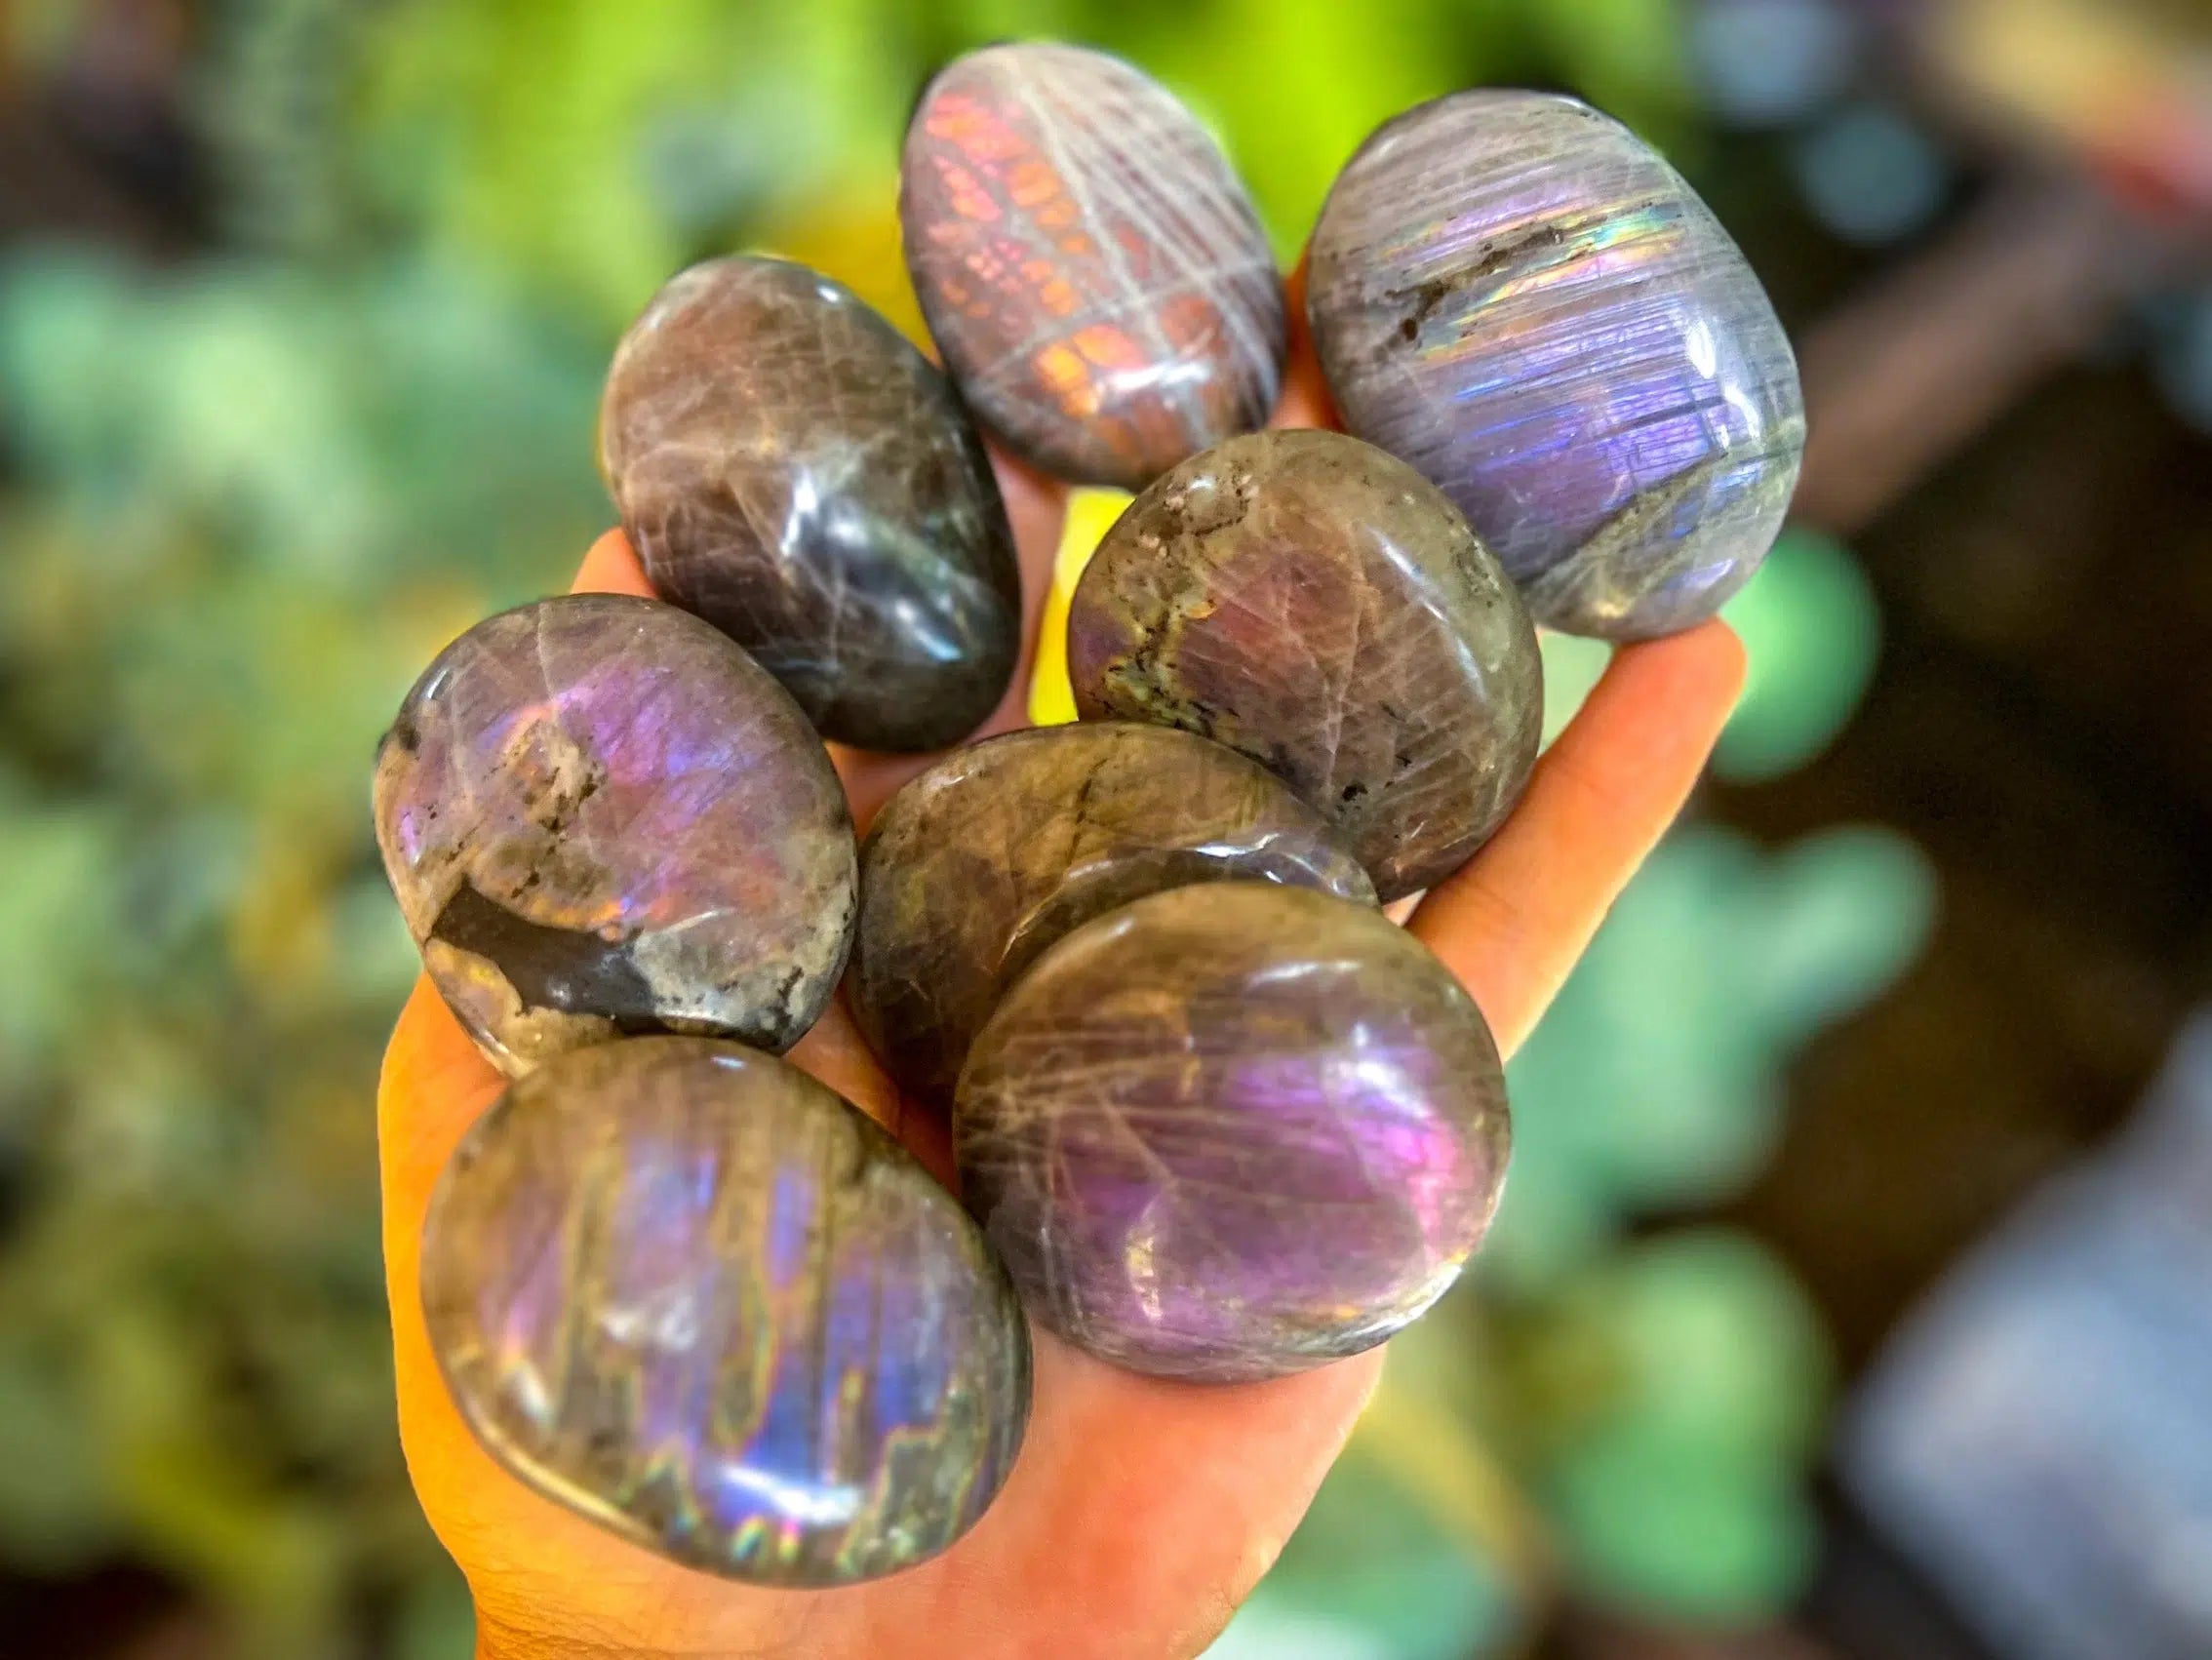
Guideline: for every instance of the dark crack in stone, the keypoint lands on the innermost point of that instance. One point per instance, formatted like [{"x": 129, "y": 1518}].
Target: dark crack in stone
[
  {"x": 602, "y": 818},
  {"x": 566, "y": 970},
  {"x": 1516, "y": 296}
]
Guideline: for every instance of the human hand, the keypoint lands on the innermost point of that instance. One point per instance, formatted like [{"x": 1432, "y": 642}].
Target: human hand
[{"x": 1140, "y": 1512}]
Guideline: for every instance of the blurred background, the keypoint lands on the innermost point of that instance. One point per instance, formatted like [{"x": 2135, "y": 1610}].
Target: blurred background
[{"x": 1853, "y": 1291}]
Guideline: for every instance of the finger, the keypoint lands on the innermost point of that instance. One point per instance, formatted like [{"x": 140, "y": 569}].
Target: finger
[
  {"x": 1515, "y": 920},
  {"x": 611, "y": 567},
  {"x": 835, "y": 1053},
  {"x": 1512, "y": 923},
  {"x": 1305, "y": 399}
]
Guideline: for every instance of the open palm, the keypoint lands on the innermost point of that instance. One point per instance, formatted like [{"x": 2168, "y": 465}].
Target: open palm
[{"x": 1140, "y": 1512}]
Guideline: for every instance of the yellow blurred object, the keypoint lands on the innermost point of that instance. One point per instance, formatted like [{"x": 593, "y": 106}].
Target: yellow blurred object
[
  {"x": 1091, "y": 513},
  {"x": 281, "y": 931},
  {"x": 1443, "y": 1465},
  {"x": 2126, "y": 82},
  {"x": 854, "y": 236}
]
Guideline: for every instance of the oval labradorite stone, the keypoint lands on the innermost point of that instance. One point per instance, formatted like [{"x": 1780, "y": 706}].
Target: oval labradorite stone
[
  {"x": 790, "y": 469},
  {"x": 981, "y": 863},
  {"x": 1307, "y": 600},
  {"x": 1089, "y": 262},
  {"x": 1232, "y": 1132},
  {"x": 602, "y": 818},
  {"x": 683, "y": 1290},
  {"x": 1518, "y": 297}
]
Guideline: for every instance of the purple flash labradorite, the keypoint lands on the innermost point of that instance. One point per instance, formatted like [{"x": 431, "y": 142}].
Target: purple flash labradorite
[
  {"x": 1233, "y": 1130},
  {"x": 601, "y": 817},
  {"x": 687, "y": 1292},
  {"x": 1316, "y": 603},
  {"x": 1089, "y": 262},
  {"x": 790, "y": 469},
  {"x": 982, "y": 862},
  {"x": 1516, "y": 294}
]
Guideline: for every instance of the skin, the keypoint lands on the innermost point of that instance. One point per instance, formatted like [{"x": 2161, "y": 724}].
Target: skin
[{"x": 1142, "y": 1511}]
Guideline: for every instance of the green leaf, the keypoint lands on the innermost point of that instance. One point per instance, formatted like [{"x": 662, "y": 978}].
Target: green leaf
[
  {"x": 1848, "y": 909},
  {"x": 54, "y": 1515},
  {"x": 437, "y": 1619},
  {"x": 1655, "y": 1079},
  {"x": 58, "y": 921},
  {"x": 1664, "y": 1529},
  {"x": 1624, "y": 55},
  {"x": 1811, "y": 625},
  {"x": 1678, "y": 1486},
  {"x": 1369, "y": 1573}
]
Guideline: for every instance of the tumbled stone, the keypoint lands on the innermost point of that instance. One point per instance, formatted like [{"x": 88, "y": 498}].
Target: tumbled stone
[
  {"x": 601, "y": 817},
  {"x": 1089, "y": 262},
  {"x": 981, "y": 863},
  {"x": 1233, "y": 1130},
  {"x": 1306, "y": 599},
  {"x": 1514, "y": 294},
  {"x": 683, "y": 1290},
  {"x": 790, "y": 469}
]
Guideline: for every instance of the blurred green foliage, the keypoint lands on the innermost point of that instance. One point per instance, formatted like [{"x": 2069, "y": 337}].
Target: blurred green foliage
[
  {"x": 1654, "y": 1084},
  {"x": 252, "y": 489}
]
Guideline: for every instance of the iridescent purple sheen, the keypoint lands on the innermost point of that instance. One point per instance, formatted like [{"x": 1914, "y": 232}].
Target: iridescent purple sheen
[
  {"x": 1232, "y": 1132},
  {"x": 1514, "y": 294},
  {"x": 601, "y": 817},
  {"x": 683, "y": 1290}
]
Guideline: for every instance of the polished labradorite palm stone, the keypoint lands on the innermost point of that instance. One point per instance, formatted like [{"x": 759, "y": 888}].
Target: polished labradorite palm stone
[
  {"x": 686, "y": 1291},
  {"x": 1102, "y": 291},
  {"x": 1316, "y": 603},
  {"x": 1518, "y": 297},
  {"x": 789, "y": 467},
  {"x": 602, "y": 818},
  {"x": 979, "y": 864},
  {"x": 1232, "y": 1132}
]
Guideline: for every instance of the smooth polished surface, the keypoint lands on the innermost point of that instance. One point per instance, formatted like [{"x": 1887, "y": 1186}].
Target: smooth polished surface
[
  {"x": 1516, "y": 294},
  {"x": 986, "y": 859},
  {"x": 1233, "y": 1130},
  {"x": 789, "y": 467},
  {"x": 1089, "y": 262},
  {"x": 686, "y": 1291},
  {"x": 1307, "y": 600},
  {"x": 601, "y": 817}
]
